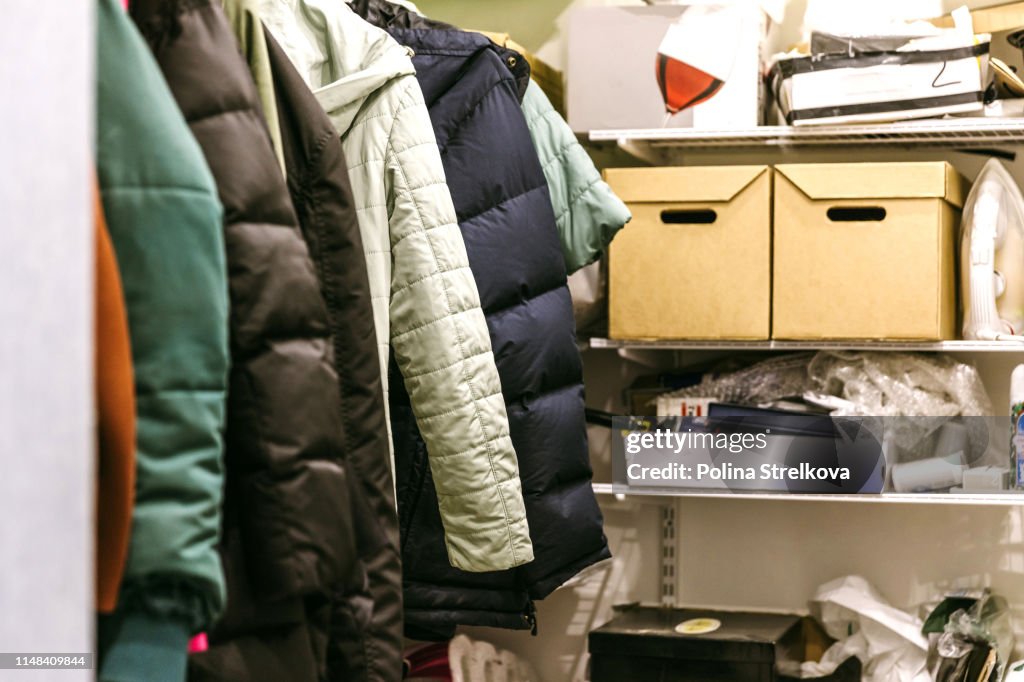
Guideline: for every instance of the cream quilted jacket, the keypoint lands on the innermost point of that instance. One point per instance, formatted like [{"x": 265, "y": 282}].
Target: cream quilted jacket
[{"x": 425, "y": 299}]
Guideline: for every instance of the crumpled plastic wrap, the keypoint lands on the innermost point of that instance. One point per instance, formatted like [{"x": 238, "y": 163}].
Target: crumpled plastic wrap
[
  {"x": 986, "y": 626},
  {"x": 884, "y": 384},
  {"x": 782, "y": 376},
  {"x": 933, "y": 389},
  {"x": 869, "y": 383}
]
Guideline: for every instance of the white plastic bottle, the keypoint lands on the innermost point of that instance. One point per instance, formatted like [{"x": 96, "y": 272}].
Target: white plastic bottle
[{"x": 1017, "y": 426}]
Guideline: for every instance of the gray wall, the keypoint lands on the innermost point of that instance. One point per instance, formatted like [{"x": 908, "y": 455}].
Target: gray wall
[{"x": 46, "y": 424}]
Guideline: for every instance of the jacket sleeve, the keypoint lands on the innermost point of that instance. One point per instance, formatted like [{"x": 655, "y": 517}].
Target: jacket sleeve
[
  {"x": 443, "y": 349},
  {"x": 115, "y": 421},
  {"x": 587, "y": 211},
  {"x": 164, "y": 219}
]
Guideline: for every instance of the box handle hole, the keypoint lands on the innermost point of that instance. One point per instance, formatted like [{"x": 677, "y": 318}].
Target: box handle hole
[
  {"x": 680, "y": 216},
  {"x": 856, "y": 214}
]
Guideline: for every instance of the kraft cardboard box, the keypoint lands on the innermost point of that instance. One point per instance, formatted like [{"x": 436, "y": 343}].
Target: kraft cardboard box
[
  {"x": 693, "y": 65},
  {"x": 866, "y": 251},
  {"x": 695, "y": 261}
]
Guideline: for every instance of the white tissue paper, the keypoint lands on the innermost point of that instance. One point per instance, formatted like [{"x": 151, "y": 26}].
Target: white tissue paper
[{"x": 888, "y": 641}]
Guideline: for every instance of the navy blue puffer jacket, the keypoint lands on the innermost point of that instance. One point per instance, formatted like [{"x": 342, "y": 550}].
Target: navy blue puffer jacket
[{"x": 473, "y": 90}]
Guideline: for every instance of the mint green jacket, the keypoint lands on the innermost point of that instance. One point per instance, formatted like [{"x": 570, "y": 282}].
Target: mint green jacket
[
  {"x": 164, "y": 218},
  {"x": 425, "y": 300},
  {"x": 588, "y": 212}
]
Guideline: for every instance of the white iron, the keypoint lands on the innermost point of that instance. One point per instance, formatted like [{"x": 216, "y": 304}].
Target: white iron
[{"x": 992, "y": 257}]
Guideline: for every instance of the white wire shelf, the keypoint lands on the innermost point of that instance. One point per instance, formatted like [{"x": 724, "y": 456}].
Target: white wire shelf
[
  {"x": 977, "y": 499},
  {"x": 953, "y": 132},
  {"x": 927, "y": 346}
]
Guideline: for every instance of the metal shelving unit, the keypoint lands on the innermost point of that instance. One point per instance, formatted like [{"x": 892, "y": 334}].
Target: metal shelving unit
[
  {"x": 675, "y": 147},
  {"x": 953, "y": 132},
  {"x": 641, "y": 348},
  {"x": 662, "y": 145},
  {"x": 924, "y": 346},
  {"x": 975, "y": 499},
  {"x": 637, "y": 349}
]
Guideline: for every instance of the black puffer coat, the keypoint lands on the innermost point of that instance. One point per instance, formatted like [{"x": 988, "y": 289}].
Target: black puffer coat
[
  {"x": 473, "y": 90},
  {"x": 288, "y": 540},
  {"x": 366, "y": 622}
]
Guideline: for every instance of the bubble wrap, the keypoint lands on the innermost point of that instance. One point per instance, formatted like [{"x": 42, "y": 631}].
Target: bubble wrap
[
  {"x": 782, "y": 376},
  {"x": 900, "y": 384},
  {"x": 874, "y": 383},
  {"x": 931, "y": 388}
]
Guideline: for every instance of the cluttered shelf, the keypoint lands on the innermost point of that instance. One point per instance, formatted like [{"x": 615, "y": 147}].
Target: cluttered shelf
[
  {"x": 923, "y": 346},
  {"x": 977, "y": 499},
  {"x": 951, "y": 132}
]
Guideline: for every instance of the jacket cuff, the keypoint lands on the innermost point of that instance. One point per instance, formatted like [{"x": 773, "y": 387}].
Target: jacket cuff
[
  {"x": 147, "y": 648},
  {"x": 478, "y": 544},
  {"x": 165, "y": 597}
]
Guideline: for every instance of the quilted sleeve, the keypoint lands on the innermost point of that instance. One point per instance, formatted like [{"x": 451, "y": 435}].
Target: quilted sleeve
[
  {"x": 443, "y": 349},
  {"x": 588, "y": 213},
  {"x": 164, "y": 219}
]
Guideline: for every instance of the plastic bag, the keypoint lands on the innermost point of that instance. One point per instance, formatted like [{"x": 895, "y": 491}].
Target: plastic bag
[
  {"x": 901, "y": 384},
  {"x": 887, "y": 640},
  {"x": 765, "y": 382},
  {"x": 976, "y": 638},
  {"x": 933, "y": 389},
  {"x": 868, "y": 383}
]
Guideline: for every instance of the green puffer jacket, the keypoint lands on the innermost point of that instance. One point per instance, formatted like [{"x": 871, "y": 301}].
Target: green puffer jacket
[
  {"x": 588, "y": 213},
  {"x": 165, "y": 221}
]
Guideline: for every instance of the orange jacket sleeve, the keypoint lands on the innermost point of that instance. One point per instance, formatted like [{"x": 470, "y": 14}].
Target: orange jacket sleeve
[{"x": 115, "y": 406}]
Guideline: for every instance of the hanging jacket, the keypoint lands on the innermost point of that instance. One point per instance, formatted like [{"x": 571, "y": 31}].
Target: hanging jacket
[
  {"x": 115, "y": 417},
  {"x": 425, "y": 300},
  {"x": 587, "y": 212},
  {"x": 243, "y": 16},
  {"x": 164, "y": 217},
  {"x": 505, "y": 213},
  {"x": 288, "y": 534},
  {"x": 366, "y": 621}
]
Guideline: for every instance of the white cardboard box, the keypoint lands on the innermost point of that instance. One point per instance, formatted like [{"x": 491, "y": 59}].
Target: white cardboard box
[
  {"x": 945, "y": 76},
  {"x": 709, "y": 53}
]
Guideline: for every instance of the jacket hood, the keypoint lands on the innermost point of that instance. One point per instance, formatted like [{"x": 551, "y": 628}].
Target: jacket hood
[
  {"x": 420, "y": 33},
  {"x": 344, "y": 59}
]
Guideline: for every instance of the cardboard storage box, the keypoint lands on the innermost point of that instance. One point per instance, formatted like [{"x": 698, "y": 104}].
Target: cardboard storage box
[
  {"x": 695, "y": 261},
  {"x": 684, "y": 645},
  {"x": 865, "y": 251},
  {"x": 688, "y": 65}
]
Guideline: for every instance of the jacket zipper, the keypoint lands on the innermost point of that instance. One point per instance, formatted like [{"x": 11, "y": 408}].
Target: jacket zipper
[
  {"x": 412, "y": 497},
  {"x": 531, "y": 617}
]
